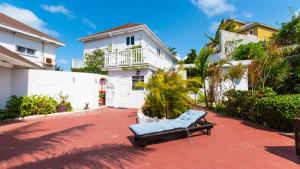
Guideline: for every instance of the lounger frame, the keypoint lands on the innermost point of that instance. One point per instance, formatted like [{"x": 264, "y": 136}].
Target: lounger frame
[{"x": 200, "y": 125}]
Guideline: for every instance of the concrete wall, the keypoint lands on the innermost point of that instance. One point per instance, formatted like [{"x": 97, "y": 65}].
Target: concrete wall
[
  {"x": 227, "y": 38},
  {"x": 81, "y": 87},
  {"x": 119, "y": 91},
  {"x": 5, "y": 86},
  {"x": 10, "y": 40}
]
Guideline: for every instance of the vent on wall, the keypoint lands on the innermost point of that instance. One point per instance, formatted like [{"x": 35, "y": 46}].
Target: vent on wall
[{"x": 48, "y": 61}]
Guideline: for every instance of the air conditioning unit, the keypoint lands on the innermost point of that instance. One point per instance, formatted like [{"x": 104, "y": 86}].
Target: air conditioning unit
[{"x": 48, "y": 61}]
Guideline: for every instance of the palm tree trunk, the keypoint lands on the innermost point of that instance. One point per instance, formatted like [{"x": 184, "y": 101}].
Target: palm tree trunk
[{"x": 204, "y": 86}]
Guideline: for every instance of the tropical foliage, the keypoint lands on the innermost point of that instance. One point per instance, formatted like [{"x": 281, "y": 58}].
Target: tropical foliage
[
  {"x": 94, "y": 63},
  {"x": 224, "y": 25},
  {"x": 168, "y": 94},
  {"x": 202, "y": 64}
]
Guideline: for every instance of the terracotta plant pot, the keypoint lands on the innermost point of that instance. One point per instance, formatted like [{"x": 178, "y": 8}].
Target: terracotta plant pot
[{"x": 62, "y": 108}]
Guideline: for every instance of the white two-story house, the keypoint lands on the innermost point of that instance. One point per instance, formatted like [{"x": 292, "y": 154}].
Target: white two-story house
[
  {"x": 22, "y": 47},
  {"x": 132, "y": 53}
]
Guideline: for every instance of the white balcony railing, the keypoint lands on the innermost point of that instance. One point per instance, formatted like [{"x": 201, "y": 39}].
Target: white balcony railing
[{"x": 129, "y": 57}]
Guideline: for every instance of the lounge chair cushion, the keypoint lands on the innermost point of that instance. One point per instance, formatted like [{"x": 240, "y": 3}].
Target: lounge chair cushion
[{"x": 183, "y": 121}]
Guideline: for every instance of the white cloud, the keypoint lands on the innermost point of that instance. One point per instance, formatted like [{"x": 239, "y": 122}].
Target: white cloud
[
  {"x": 27, "y": 17},
  {"x": 89, "y": 23},
  {"x": 214, "y": 7},
  {"x": 247, "y": 15},
  {"x": 213, "y": 27},
  {"x": 63, "y": 61},
  {"x": 60, "y": 9}
]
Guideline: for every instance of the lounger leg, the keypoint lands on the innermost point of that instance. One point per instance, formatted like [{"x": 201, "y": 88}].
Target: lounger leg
[{"x": 208, "y": 131}]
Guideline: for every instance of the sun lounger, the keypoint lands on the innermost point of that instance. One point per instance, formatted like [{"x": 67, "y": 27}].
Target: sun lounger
[{"x": 187, "y": 123}]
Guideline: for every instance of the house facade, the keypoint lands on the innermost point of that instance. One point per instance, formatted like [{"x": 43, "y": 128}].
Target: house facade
[
  {"x": 22, "y": 47},
  {"x": 132, "y": 54},
  {"x": 258, "y": 29}
]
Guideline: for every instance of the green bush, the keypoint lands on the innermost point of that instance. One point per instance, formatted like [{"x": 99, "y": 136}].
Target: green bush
[
  {"x": 278, "y": 111},
  {"x": 239, "y": 103},
  {"x": 13, "y": 107},
  {"x": 30, "y": 105}
]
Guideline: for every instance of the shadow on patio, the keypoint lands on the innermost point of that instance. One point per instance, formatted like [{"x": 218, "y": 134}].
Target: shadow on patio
[
  {"x": 13, "y": 145},
  {"x": 100, "y": 156},
  {"x": 287, "y": 152}
]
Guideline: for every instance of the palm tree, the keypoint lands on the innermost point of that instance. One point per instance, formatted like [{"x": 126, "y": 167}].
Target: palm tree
[
  {"x": 202, "y": 64},
  {"x": 224, "y": 25},
  {"x": 168, "y": 93}
]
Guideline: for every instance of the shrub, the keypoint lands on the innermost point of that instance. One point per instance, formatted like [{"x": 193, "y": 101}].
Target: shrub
[
  {"x": 278, "y": 111},
  {"x": 13, "y": 107},
  {"x": 63, "y": 101},
  {"x": 30, "y": 105},
  {"x": 242, "y": 103},
  {"x": 167, "y": 94},
  {"x": 35, "y": 104}
]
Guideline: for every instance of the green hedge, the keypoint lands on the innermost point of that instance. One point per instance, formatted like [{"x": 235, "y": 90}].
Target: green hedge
[
  {"x": 264, "y": 106},
  {"x": 279, "y": 111},
  {"x": 30, "y": 105}
]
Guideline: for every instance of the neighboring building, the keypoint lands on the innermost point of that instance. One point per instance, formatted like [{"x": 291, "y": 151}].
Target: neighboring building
[
  {"x": 22, "y": 47},
  {"x": 132, "y": 53},
  {"x": 260, "y": 30}
]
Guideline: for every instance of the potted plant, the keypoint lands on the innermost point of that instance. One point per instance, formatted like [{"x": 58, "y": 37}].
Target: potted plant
[{"x": 64, "y": 105}]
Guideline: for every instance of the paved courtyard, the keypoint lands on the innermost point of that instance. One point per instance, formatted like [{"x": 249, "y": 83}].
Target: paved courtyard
[{"x": 101, "y": 139}]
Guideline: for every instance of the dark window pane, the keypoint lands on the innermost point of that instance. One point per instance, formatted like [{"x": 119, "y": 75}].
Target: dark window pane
[
  {"x": 128, "y": 41},
  {"x": 30, "y": 51},
  {"x": 21, "y": 49},
  {"x": 132, "y": 40}
]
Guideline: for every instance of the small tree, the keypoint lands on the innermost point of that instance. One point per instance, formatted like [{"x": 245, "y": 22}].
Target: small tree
[
  {"x": 94, "y": 62},
  {"x": 191, "y": 57},
  {"x": 235, "y": 73},
  {"x": 202, "y": 63},
  {"x": 167, "y": 94}
]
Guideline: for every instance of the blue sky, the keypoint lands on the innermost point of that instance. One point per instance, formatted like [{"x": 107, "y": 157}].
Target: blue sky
[{"x": 178, "y": 23}]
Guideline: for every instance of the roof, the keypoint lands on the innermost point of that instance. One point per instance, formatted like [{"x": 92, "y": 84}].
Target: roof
[
  {"x": 14, "y": 55},
  {"x": 253, "y": 24},
  {"x": 125, "y": 26},
  {"x": 10, "y": 22}
]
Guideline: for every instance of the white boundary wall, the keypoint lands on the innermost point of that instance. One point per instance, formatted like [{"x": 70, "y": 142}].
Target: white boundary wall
[{"x": 81, "y": 87}]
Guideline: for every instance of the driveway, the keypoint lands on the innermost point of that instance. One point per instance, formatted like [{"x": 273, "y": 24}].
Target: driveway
[{"x": 101, "y": 139}]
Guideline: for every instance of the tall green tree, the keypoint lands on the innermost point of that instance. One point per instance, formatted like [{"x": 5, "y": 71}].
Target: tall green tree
[
  {"x": 202, "y": 64},
  {"x": 173, "y": 50},
  {"x": 93, "y": 62},
  {"x": 190, "y": 59},
  {"x": 289, "y": 34}
]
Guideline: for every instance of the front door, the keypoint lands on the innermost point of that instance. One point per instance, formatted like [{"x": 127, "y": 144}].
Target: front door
[{"x": 123, "y": 89}]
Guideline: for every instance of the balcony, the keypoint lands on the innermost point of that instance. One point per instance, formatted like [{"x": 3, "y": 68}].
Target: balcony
[{"x": 131, "y": 58}]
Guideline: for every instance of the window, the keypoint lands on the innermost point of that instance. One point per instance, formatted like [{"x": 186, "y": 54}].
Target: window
[
  {"x": 26, "y": 51},
  {"x": 30, "y": 51},
  {"x": 251, "y": 32},
  {"x": 136, "y": 79},
  {"x": 130, "y": 40},
  {"x": 21, "y": 49},
  {"x": 158, "y": 52}
]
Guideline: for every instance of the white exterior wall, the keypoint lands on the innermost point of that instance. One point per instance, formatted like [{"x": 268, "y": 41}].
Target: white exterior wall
[
  {"x": 118, "y": 42},
  {"x": 5, "y": 86},
  {"x": 226, "y": 36},
  {"x": 81, "y": 87},
  {"x": 10, "y": 40},
  {"x": 119, "y": 91}
]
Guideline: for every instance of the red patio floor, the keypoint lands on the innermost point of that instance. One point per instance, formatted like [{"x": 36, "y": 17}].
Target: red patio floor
[{"x": 99, "y": 139}]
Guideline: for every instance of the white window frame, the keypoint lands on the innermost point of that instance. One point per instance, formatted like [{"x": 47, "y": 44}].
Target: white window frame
[{"x": 26, "y": 51}]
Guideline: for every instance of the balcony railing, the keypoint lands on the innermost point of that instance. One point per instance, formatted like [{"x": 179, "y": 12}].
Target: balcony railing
[
  {"x": 128, "y": 58},
  {"x": 125, "y": 57}
]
